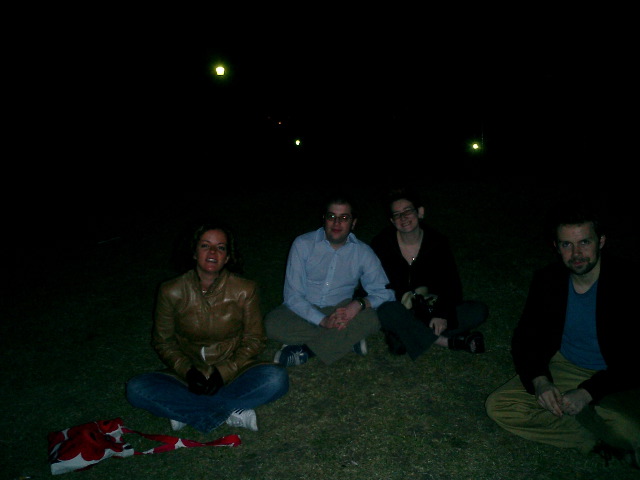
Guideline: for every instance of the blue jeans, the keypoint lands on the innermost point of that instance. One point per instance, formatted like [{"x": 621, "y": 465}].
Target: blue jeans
[{"x": 165, "y": 396}]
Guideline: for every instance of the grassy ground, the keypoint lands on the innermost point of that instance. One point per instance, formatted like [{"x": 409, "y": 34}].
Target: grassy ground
[{"x": 71, "y": 340}]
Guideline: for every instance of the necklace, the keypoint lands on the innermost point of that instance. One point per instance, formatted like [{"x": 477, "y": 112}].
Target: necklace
[{"x": 410, "y": 251}]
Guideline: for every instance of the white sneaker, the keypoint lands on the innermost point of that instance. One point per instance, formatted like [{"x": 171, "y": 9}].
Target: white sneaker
[
  {"x": 176, "y": 425},
  {"x": 244, "y": 419},
  {"x": 361, "y": 347}
]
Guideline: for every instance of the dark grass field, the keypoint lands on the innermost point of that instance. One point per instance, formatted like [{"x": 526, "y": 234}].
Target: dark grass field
[{"x": 77, "y": 311}]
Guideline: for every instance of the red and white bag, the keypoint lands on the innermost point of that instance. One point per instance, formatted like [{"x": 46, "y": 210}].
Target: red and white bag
[{"x": 81, "y": 447}]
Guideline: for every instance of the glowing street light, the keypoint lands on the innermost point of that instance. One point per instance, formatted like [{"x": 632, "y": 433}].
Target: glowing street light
[{"x": 219, "y": 70}]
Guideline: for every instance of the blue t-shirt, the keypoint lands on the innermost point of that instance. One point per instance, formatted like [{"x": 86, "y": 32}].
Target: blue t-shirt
[{"x": 580, "y": 339}]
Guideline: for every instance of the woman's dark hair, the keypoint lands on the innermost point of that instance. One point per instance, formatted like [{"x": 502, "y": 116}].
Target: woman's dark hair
[
  {"x": 403, "y": 193},
  {"x": 234, "y": 264}
]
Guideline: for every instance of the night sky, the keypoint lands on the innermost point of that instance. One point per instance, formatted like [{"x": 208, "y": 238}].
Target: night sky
[
  {"x": 113, "y": 112},
  {"x": 537, "y": 98},
  {"x": 128, "y": 98},
  {"x": 123, "y": 102},
  {"x": 131, "y": 94}
]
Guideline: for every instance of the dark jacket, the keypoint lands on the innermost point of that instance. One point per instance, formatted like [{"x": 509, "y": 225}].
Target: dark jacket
[
  {"x": 538, "y": 335},
  {"x": 434, "y": 268},
  {"x": 222, "y": 328}
]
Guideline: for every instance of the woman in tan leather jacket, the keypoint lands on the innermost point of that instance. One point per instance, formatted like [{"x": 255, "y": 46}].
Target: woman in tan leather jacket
[{"x": 208, "y": 331}]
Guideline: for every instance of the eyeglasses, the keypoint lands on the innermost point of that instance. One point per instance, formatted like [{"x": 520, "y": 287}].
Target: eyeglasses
[
  {"x": 406, "y": 213},
  {"x": 332, "y": 217}
]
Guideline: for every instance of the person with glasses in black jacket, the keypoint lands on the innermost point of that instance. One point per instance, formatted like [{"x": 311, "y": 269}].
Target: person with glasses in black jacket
[{"x": 429, "y": 307}]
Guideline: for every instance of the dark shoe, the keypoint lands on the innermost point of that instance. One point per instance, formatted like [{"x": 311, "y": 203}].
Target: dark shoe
[
  {"x": 472, "y": 342},
  {"x": 607, "y": 452},
  {"x": 633, "y": 458},
  {"x": 361, "y": 348},
  {"x": 395, "y": 345},
  {"x": 290, "y": 355}
]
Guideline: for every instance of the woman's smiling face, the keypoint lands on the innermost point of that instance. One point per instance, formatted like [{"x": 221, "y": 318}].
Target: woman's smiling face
[{"x": 211, "y": 253}]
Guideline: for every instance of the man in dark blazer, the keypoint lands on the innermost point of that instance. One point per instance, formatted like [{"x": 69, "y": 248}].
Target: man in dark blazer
[{"x": 575, "y": 348}]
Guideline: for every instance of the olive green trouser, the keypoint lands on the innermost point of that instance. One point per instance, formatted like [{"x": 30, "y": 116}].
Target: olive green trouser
[
  {"x": 329, "y": 344},
  {"x": 614, "y": 420}
]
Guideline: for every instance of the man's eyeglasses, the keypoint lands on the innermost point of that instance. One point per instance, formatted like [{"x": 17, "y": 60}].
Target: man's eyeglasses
[
  {"x": 332, "y": 217},
  {"x": 406, "y": 213}
]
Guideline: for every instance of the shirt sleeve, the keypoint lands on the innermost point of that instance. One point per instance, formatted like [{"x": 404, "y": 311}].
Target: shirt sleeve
[
  {"x": 295, "y": 284},
  {"x": 164, "y": 340},
  {"x": 537, "y": 335},
  {"x": 253, "y": 338},
  {"x": 374, "y": 280}
]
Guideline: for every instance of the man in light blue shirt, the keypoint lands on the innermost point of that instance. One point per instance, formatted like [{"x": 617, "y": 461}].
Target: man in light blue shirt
[{"x": 320, "y": 316}]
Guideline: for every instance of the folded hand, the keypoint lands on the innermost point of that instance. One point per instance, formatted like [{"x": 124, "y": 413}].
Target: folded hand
[{"x": 201, "y": 385}]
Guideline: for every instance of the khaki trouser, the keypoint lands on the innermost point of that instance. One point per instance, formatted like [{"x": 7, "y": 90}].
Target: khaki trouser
[
  {"x": 329, "y": 344},
  {"x": 614, "y": 420}
]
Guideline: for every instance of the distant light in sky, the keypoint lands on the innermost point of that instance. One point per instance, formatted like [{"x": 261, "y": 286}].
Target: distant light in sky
[
  {"x": 475, "y": 148},
  {"x": 219, "y": 70}
]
